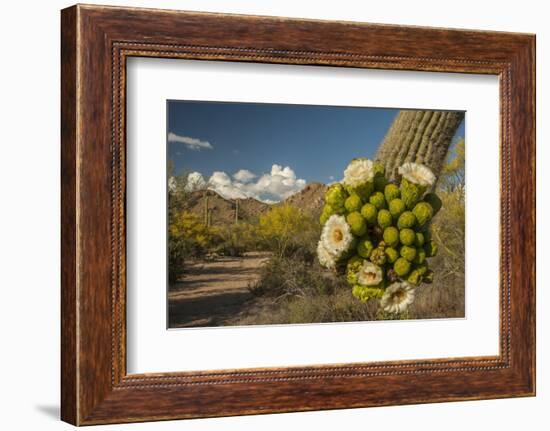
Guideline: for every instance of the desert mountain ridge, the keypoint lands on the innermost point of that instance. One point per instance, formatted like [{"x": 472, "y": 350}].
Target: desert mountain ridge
[{"x": 223, "y": 211}]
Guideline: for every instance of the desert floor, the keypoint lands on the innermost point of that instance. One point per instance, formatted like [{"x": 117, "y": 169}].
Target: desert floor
[{"x": 215, "y": 293}]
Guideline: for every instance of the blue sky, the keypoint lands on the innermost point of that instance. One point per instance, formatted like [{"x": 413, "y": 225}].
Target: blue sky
[{"x": 315, "y": 142}]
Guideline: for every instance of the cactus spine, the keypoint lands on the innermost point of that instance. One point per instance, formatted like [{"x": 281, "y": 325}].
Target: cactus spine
[{"x": 418, "y": 136}]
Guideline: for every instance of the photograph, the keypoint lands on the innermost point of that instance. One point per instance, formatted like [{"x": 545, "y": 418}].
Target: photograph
[{"x": 301, "y": 214}]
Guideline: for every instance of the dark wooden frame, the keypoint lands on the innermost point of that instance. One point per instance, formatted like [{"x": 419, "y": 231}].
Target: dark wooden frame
[{"x": 95, "y": 43}]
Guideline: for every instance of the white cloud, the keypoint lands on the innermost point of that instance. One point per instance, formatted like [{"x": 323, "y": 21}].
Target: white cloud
[
  {"x": 222, "y": 184},
  {"x": 195, "y": 181},
  {"x": 219, "y": 179},
  {"x": 191, "y": 143},
  {"x": 244, "y": 176},
  {"x": 273, "y": 187},
  {"x": 280, "y": 183}
]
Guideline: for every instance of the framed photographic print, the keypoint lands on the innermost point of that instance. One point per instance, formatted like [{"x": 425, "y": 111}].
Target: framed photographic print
[
  {"x": 268, "y": 215},
  {"x": 260, "y": 245}
]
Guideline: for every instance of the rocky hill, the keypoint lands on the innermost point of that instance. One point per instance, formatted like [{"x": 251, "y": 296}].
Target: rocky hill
[
  {"x": 310, "y": 199},
  {"x": 223, "y": 211}
]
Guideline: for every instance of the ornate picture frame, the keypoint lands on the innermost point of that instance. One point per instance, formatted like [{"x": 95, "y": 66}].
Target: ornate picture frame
[{"x": 96, "y": 41}]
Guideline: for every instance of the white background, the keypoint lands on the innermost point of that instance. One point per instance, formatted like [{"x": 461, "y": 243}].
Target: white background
[
  {"x": 151, "y": 348},
  {"x": 29, "y": 224}
]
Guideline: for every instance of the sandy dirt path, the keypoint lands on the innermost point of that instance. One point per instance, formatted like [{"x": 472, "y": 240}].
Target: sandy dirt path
[{"x": 214, "y": 291}]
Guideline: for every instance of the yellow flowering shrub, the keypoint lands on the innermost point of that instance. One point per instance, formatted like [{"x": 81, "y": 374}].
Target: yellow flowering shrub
[{"x": 284, "y": 227}]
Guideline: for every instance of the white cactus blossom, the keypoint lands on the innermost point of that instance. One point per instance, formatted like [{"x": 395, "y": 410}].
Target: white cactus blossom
[
  {"x": 417, "y": 173},
  {"x": 359, "y": 172},
  {"x": 369, "y": 274},
  {"x": 325, "y": 258},
  {"x": 336, "y": 236},
  {"x": 397, "y": 297}
]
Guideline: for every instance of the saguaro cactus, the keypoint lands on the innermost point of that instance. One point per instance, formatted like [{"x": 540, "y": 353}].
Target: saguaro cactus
[
  {"x": 206, "y": 209},
  {"x": 420, "y": 137}
]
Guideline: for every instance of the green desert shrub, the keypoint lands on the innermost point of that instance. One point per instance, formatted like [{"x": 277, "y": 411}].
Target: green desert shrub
[
  {"x": 294, "y": 276},
  {"x": 236, "y": 239},
  {"x": 448, "y": 234}
]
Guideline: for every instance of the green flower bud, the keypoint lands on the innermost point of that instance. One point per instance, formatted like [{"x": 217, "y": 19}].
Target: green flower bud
[
  {"x": 423, "y": 212},
  {"x": 364, "y": 293},
  {"x": 378, "y": 200},
  {"x": 357, "y": 223},
  {"x": 391, "y": 236},
  {"x": 335, "y": 210},
  {"x": 428, "y": 277},
  {"x": 336, "y": 195},
  {"x": 396, "y": 206},
  {"x": 408, "y": 252},
  {"x": 339, "y": 210},
  {"x": 365, "y": 248},
  {"x": 369, "y": 212},
  {"x": 379, "y": 169},
  {"x": 420, "y": 257},
  {"x": 391, "y": 254},
  {"x": 329, "y": 210},
  {"x": 411, "y": 193},
  {"x": 422, "y": 269},
  {"x": 353, "y": 203},
  {"x": 380, "y": 183},
  {"x": 430, "y": 248},
  {"x": 406, "y": 220},
  {"x": 407, "y": 236},
  {"x": 325, "y": 214},
  {"x": 391, "y": 192},
  {"x": 352, "y": 269},
  {"x": 419, "y": 239},
  {"x": 402, "y": 267},
  {"x": 414, "y": 277},
  {"x": 378, "y": 256},
  {"x": 384, "y": 219},
  {"x": 434, "y": 201},
  {"x": 354, "y": 261},
  {"x": 363, "y": 190}
]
